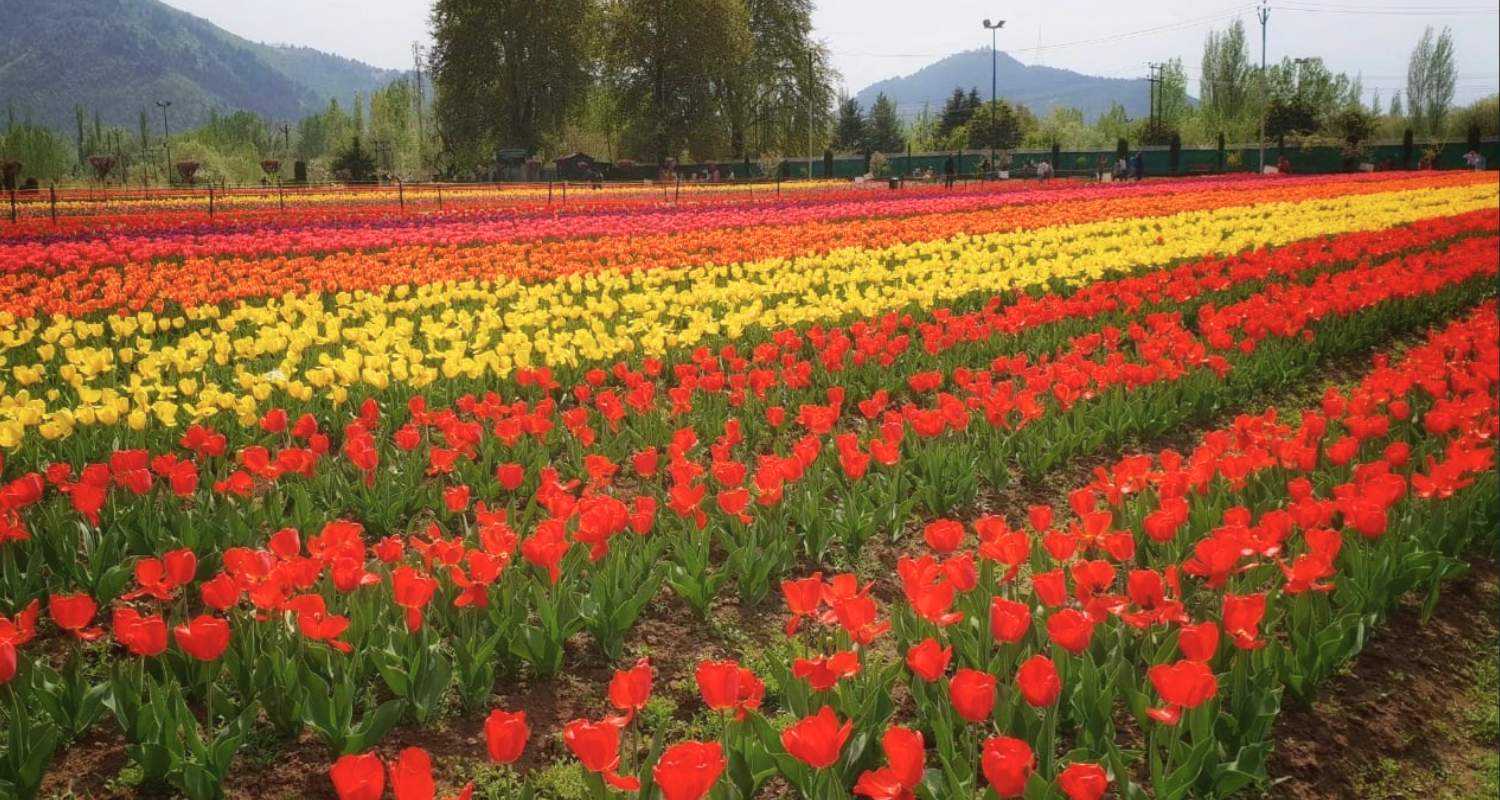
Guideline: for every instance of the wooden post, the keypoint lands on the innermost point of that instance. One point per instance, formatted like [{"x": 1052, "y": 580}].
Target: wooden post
[
  {"x": 210, "y": 199},
  {"x": 401, "y": 194},
  {"x": 52, "y": 195}
]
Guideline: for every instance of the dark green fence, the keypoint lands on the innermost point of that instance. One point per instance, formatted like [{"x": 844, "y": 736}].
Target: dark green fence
[{"x": 1157, "y": 161}]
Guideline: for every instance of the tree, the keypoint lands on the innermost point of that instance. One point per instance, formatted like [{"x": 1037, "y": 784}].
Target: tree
[
  {"x": 1396, "y": 110},
  {"x": 886, "y": 133},
  {"x": 1430, "y": 81},
  {"x": 787, "y": 77},
  {"x": 1000, "y": 126},
  {"x": 954, "y": 114},
  {"x": 507, "y": 73},
  {"x": 671, "y": 61},
  {"x": 851, "y": 135},
  {"x": 1172, "y": 95},
  {"x": 1224, "y": 91},
  {"x": 354, "y": 164}
]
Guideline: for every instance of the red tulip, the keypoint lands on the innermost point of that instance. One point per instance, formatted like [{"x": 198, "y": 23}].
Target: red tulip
[
  {"x": 823, "y": 674},
  {"x": 817, "y": 740},
  {"x": 597, "y": 746},
  {"x": 1070, "y": 630},
  {"x": 928, "y": 660},
  {"x": 1186, "y": 684},
  {"x": 689, "y": 770},
  {"x": 1038, "y": 681},
  {"x": 1083, "y": 781},
  {"x": 1199, "y": 642},
  {"x": 411, "y": 775},
  {"x": 1051, "y": 588},
  {"x": 906, "y": 761},
  {"x": 510, "y": 476},
  {"x": 358, "y": 777},
  {"x": 73, "y": 613},
  {"x": 803, "y": 598},
  {"x": 8, "y": 663},
  {"x": 412, "y": 590},
  {"x": 204, "y": 637},
  {"x": 943, "y": 535},
  {"x": 141, "y": 635},
  {"x": 1009, "y": 620},
  {"x": 973, "y": 694},
  {"x": 1242, "y": 616},
  {"x": 629, "y": 689},
  {"x": 726, "y": 685},
  {"x": 505, "y": 735},
  {"x": 1007, "y": 763},
  {"x": 456, "y": 498}
]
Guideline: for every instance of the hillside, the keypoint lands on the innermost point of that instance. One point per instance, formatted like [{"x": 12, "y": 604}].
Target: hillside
[
  {"x": 1039, "y": 88},
  {"x": 120, "y": 56}
]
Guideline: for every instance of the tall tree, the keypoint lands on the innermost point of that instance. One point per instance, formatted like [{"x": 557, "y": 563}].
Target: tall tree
[
  {"x": 507, "y": 73},
  {"x": 886, "y": 132},
  {"x": 1430, "y": 81},
  {"x": 1000, "y": 126},
  {"x": 851, "y": 135},
  {"x": 955, "y": 113},
  {"x": 1397, "y": 110},
  {"x": 784, "y": 86},
  {"x": 671, "y": 61},
  {"x": 1224, "y": 91}
]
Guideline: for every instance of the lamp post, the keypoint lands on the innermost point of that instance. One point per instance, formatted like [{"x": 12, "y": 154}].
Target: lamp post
[
  {"x": 994, "y": 29},
  {"x": 166, "y": 138},
  {"x": 1264, "y": 13}
]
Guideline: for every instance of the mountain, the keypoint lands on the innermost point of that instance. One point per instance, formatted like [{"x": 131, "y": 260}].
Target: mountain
[
  {"x": 118, "y": 57},
  {"x": 1038, "y": 88}
]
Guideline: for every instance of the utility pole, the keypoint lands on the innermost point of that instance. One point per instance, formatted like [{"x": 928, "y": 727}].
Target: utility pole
[
  {"x": 812, "y": 79},
  {"x": 1156, "y": 81},
  {"x": 416, "y": 57},
  {"x": 166, "y": 139},
  {"x": 286, "y": 134},
  {"x": 994, "y": 30},
  {"x": 1264, "y": 12}
]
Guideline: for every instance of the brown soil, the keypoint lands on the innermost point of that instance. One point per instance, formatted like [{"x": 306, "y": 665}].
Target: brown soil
[{"x": 1408, "y": 719}]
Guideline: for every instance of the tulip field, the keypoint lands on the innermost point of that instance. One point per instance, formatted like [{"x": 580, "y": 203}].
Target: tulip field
[{"x": 1057, "y": 491}]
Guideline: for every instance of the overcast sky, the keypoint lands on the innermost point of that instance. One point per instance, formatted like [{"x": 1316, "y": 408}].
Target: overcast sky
[{"x": 875, "y": 39}]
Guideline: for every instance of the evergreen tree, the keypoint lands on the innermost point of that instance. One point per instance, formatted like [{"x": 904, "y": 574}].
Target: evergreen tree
[
  {"x": 886, "y": 132},
  {"x": 851, "y": 135},
  {"x": 955, "y": 113}
]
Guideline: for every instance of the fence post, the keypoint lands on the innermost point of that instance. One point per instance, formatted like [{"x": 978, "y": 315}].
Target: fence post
[
  {"x": 12, "y": 204},
  {"x": 440, "y": 196},
  {"x": 280, "y": 195},
  {"x": 401, "y": 193},
  {"x": 564, "y": 193},
  {"x": 677, "y": 195},
  {"x": 210, "y": 199},
  {"x": 52, "y": 197},
  {"x": 549, "y": 193}
]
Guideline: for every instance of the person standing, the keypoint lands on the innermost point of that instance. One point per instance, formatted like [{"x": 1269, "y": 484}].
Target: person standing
[{"x": 949, "y": 172}]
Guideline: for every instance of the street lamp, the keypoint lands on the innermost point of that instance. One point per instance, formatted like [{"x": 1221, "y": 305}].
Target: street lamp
[
  {"x": 166, "y": 136},
  {"x": 994, "y": 29}
]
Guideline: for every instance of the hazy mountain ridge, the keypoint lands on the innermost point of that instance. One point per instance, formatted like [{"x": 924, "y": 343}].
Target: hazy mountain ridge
[
  {"x": 1039, "y": 88},
  {"x": 120, "y": 56}
]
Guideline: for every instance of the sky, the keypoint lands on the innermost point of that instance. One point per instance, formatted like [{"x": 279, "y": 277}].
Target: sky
[{"x": 875, "y": 39}]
